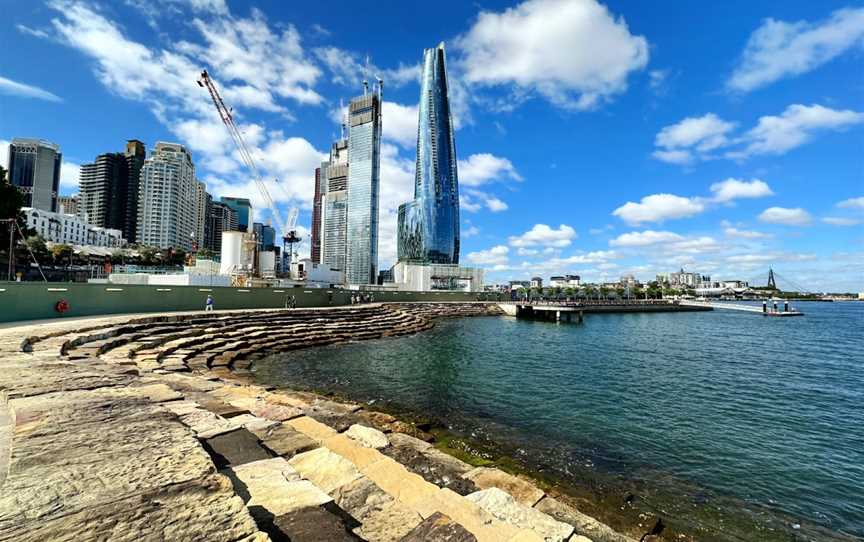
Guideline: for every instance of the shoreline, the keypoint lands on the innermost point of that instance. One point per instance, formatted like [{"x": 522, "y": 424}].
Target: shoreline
[
  {"x": 154, "y": 410},
  {"x": 196, "y": 366}
]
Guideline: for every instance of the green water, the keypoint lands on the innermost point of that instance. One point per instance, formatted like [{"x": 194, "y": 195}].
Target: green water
[{"x": 718, "y": 417}]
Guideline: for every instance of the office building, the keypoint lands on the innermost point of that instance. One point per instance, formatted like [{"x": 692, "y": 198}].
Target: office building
[
  {"x": 428, "y": 226},
  {"x": 221, "y": 218},
  {"x": 265, "y": 236},
  {"x": 69, "y": 229},
  {"x": 34, "y": 168},
  {"x": 334, "y": 206},
  {"x": 364, "y": 158},
  {"x": 168, "y": 199},
  {"x": 536, "y": 282},
  {"x": 564, "y": 281},
  {"x": 428, "y": 230},
  {"x": 108, "y": 189},
  {"x": 315, "y": 239},
  {"x": 67, "y": 205},
  {"x": 243, "y": 207}
]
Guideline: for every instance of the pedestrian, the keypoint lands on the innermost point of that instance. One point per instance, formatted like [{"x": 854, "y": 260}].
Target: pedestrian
[
  {"x": 208, "y": 305},
  {"x": 293, "y": 302}
]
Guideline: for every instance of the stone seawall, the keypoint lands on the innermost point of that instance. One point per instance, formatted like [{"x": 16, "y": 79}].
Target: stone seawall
[{"x": 142, "y": 428}]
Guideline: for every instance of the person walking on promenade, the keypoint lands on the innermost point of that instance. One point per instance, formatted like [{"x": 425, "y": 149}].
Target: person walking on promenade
[{"x": 208, "y": 305}]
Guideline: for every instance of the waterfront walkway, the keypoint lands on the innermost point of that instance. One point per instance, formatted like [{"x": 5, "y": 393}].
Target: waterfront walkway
[{"x": 143, "y": 428}]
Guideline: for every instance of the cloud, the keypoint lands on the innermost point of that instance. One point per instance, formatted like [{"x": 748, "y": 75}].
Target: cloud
[
  {"x": 733, "y": 232},
  {"x": 841, "y": 221},
  {"x": 396, "y": 187},
  {"x": 778, "y": 49},
  {"x": 496, "y": 255},
  {"x": 657, "y": 208},
  {"x": 13, "y": 88},
  {"x": 255, "y": 67},
  {"x": 793, "y": 128},
  {"x": 4, "y": 153},
  {"x": 470, "y": 231},
  {"x": 705, "y": 133},
  {"x": 785, "y": 216},
  {"x": 852, "y": 203},
  {"x": 70, "y": 173},
  {"x": 35, "y": 32},
  {"x": 481, "y": 168},
  {"x": 732, "y": 189},
  {"x": 350, "y": 69},
  {"x": 702, "y": 138},
  {"x": 574, "y": 53},
  {"x": 657, "y": 81},
  {"x": 544, "y": 236},
  {"x": 496, "y": 205},
  {"x": 399, "y": 124},
  {"x": 644, "y": 238}
]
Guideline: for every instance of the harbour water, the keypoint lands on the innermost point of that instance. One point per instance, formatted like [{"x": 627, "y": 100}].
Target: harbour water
[{"x": 713, "y": 419}]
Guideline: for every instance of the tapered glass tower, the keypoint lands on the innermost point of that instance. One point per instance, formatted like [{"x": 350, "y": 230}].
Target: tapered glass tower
[{"x": 428, "y": 227}]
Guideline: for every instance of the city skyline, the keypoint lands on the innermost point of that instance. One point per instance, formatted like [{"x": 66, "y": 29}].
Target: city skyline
[{"x": 644, "y": 159}]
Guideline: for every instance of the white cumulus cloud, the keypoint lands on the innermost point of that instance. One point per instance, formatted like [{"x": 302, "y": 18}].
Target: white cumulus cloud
[
  {"x": 657, "y": 208},
  {"x": 852, "y": 203},
  {"x": 779, "y": 49},
  {"x": 785, "y": 216},
  {"x": 544, "y": 236},
  {"x": 645, "y": 238},
  {"x": 482, "y": 168},
  {"x": 496, "y": 255},
  {"x": 575, "y": 53},
  {"x": 841, "y": 221},
  {"x": 732, "y": 189}
]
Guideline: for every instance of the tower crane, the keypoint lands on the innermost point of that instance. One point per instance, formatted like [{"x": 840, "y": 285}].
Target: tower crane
[{"x": 287, "y": 229}]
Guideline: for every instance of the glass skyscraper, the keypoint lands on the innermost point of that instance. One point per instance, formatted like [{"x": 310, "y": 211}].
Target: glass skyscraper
[
  {"x": 34, "y": 169},
  {"x": 364, "y": 158},
  {"x": 428, "y": 228}
]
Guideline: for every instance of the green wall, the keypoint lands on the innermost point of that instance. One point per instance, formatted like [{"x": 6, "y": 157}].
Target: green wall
[{"x": 35, "y": 300}]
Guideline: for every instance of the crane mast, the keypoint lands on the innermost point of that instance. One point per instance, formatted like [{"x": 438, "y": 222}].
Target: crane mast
[{"x": 288, "y": 230}]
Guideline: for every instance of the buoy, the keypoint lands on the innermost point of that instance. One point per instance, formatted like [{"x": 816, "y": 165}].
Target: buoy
[{"x": 61, "y": 306}]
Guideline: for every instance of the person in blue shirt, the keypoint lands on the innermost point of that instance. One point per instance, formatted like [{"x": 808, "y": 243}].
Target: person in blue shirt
[{"x": 208, "y": 305}]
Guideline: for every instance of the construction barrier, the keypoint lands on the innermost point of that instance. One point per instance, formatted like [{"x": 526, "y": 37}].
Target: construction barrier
[{"x": 20, "y": 301}]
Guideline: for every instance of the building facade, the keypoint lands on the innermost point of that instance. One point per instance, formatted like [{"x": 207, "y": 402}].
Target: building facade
[
  {"x": 334, "y": 206},
  {"x": 364, "y": 157},
  {"x": 564, "y": 281},
  {"x": 108, "y": 189},
  {"x": 67, "y": 205},
  {"x": 168, "y": 198},
  {"x": 69, "y": 229},
  {"x": 315, "y": 240},
  {"x": 428, "y": 227},
  {"x": 34, "y": 168},
  {"x": 243, "y": 208},
  {"x": 221, "y": 218},
  {"x": 203, "y": 203}
]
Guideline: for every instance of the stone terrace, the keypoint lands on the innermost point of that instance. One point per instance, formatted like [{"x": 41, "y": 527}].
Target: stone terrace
[{"x": 143, "y": 428}]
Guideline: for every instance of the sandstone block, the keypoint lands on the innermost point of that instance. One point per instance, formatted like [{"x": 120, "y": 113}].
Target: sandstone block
[
  {"x": 584, "y": 524},
  {"x": 312, "y": 428},
  {"x": 469, "y": 515},
  {"x": 272, "y": 487},
  {"x": 354, "y": 452},
  {"x": 327, "y": 470},
  {"x": 284, "y": 440},
  {"x": 523, "y": 491},
  {"x": 505, "y": 508},
  {"x": 314, "y": 524},
  {"x": 371, "y": 438},
  {"x": 440, "y": 528},
  {"x": 234, "y": 448},
  {"x": 397, "y": 481}
]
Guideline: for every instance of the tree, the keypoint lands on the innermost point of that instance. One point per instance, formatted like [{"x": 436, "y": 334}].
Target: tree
[
  {"x": 62, "y": 254},
  {"x": 148, "y": 255},
  {"x": 37, "y": 246}
]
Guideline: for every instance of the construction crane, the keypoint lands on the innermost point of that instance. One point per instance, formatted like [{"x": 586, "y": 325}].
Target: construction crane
[{"x": 287, "y": 229}]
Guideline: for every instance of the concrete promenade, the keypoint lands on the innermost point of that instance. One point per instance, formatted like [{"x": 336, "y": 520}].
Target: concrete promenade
[{"x": 144, "y": 428}]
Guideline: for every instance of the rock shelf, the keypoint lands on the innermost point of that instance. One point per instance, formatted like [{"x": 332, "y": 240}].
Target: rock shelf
[{"x": 143, "y": 428}]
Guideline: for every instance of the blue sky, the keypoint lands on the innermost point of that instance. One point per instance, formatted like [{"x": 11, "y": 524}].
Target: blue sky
[{"x": 594, "y": 138}]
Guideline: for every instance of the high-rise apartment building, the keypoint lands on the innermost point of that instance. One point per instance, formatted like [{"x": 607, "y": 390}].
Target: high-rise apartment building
[
  {"x": 168, "y": 198},
  {"x": 108, "y": 189},
  {"x": 428, "y": 227},
  {"x": 243, "y": 207},
  {"x": 334, "y": 206},
  {"x": 315, "y": 239},
  {"x": 221, "y": 218},
  {"x": 203, "y": 203},
  {"x": 364, "y": 157},
  {"x": 34, "y": 168},
  {"x": 67, "y": 205}
]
